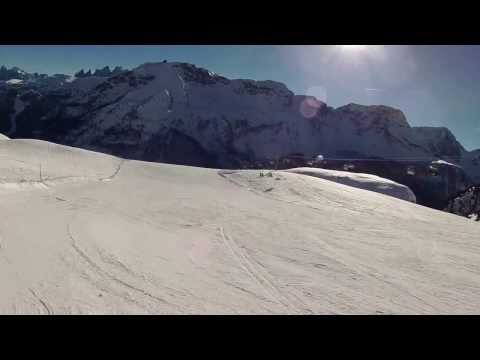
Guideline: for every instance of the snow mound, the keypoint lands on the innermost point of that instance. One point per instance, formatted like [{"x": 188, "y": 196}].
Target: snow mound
[
  {"x": 168, "y": 239},
  {"x": 361, "y": 181}
]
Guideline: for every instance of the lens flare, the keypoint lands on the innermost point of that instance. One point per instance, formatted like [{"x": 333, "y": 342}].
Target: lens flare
[{"x": 309, "y": 107}]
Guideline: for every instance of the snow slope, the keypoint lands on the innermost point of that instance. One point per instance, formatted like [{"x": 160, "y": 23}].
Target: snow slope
[
  {"x": 361, "y": 181},
  {"x": 94, "y": 234}
]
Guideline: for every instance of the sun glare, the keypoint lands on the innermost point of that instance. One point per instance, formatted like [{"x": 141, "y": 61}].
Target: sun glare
[{"x": 353, "y": 47}]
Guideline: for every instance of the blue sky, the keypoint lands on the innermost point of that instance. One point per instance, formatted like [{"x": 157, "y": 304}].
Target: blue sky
[{"x": 432, "y": 85}]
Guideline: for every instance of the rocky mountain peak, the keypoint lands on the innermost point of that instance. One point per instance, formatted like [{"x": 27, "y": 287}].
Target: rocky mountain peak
[{"x": 379, "y": 113}]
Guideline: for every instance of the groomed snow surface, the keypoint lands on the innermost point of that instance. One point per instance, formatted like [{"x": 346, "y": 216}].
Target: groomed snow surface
[{"x": 86, "y": 233}]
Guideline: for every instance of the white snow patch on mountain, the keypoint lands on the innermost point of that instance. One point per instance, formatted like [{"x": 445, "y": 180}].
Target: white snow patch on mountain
[
  {"x": 443, "y": 162},
  {"x": 14, "y": 81}
]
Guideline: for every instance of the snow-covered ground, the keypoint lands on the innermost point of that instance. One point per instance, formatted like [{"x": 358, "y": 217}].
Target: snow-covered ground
[
  {"x": 362, "y": 181},
  {"x": 87, "y": 233}
]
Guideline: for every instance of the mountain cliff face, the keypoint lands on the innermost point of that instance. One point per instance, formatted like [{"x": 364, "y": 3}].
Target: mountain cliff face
[{"x": 178, "y": 113}]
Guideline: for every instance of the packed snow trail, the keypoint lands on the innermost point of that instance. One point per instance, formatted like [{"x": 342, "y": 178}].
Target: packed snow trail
[{"x": 166, "y": 239}]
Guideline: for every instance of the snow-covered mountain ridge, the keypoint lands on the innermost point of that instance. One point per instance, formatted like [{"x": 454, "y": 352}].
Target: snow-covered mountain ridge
[{"x": 177, "y": 113}]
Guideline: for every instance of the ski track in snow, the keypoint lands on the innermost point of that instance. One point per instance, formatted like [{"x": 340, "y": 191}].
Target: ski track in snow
[
  {"x": 103, "y": 273},
  {"x": 45, "y": 306},
  {"x": 117, "y": 170},
  {"x": 247, "y": 264}
]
